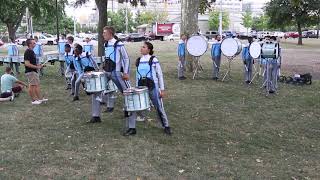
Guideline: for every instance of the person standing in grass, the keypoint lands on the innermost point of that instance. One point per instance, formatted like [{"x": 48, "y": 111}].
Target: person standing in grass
[
  {"x": 10, "y": 85},
  {"x": 182, "y": 57},
  {"x": 38, "y": 50},
  {"x": 13, "y": 54},
  {"x": 61, "y": 44},
  {"x": 247, "y": 61},
  {"x": 216, "y": 57},
  {"x": 31, "y": 70},
  {"x": 149, "y": 74}
]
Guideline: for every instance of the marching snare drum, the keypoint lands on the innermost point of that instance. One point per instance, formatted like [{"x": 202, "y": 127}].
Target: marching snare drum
[
  {"x": 231, "y": 47},
  {"x": 111, "y": 87},
  {"x": 61, "y": 58},
  {"x": 270, "y": 50},
  {"x": 95, "y": 82},
  {"x": 7, "y": 59},
  {"x": 255, "y": 50},
  {"x": 136, "y": 99},
  {"x": 21, "y": 59},
  {"x": 52, "y": 57},
  {"x": 98, "y": 60},
  {"x": 197, "y": 45},
  {"x": 15, "y": 59}
]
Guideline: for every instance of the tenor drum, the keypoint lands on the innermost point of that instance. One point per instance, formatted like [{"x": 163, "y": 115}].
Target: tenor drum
[
  {"x": 255, "y": 50},
  {"x": 231, "y": 47},
  {"x": 111, "y": 87},
  {"x": 136, "y": 99},
  {"x": 270, "y": 50},
  {"x": 95, "y": 82},
  {"x": 197, "y": 45}
]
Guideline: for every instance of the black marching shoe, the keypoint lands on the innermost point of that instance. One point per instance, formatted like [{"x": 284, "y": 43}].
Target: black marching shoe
[
  {"x": 167, "y": 131},
  {"x": 94, "y": 120},
  {"x": 109, "y": 110},
  {"x": 215, "y": 78},
  {"x": 182, "y": 78},
  {"x": 130, "y": 132},
  {"x": 271, "y": 92},
  {"x": 76, "y": 98}
]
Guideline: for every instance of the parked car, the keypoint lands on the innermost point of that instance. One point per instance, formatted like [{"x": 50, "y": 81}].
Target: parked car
[
  {"x": 211, "y": 34},
  {"x": 44, "y": 39},
  {"x": 229, "y": 34},
  {"x": 122, "y": 37},
  {"x": 136, "y": 37},
  {"x": 309, "y": 34},
  {"x": 291, "y": 35},
  {"x": 173, "y": 37},
  {"x": 279, "y": 34}
]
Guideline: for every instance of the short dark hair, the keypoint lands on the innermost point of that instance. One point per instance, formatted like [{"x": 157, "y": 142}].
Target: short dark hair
[
  {"x": 28, "y": 42},
  {"x": 8, "y": 69},
  {"x": 79, "y": 47},
  {"x": 36, "y": 37},
  {"x": 110, "y": 29},
  {"x": 70, "y": 38},
  {"x": 67, "y": 46}
]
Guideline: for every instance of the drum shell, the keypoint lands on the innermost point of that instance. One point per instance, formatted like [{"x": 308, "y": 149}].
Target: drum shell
[
  {"x": 97, "y": 60},
  {"x": 61, "y": 58},
  {"x": 111, "y": 87},
  {"x": 136, "y": 99},
  {"x": 95, "y": 82},
  {"x": 15, "y": 59},
  {"x": 52, "y": 57},
  {"x": 270, "y": 50},
  {"x": 225, "y": 48}
]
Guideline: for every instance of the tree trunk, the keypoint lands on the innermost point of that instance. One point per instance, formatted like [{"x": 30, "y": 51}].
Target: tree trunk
[
  {"x": 12, "y": 30},
  {"x": 318, "y": 26},
  {"x": 300, "y": 33},
  {"x": 189, "y": 24},
  {"x": 103, "y": 20}
]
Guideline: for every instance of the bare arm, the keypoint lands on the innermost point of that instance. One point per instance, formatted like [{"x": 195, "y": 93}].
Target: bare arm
[{"x": 21, "y": 82}]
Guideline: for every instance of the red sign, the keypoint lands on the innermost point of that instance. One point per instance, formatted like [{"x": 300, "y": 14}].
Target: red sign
[{"x": 164, "y": 28}]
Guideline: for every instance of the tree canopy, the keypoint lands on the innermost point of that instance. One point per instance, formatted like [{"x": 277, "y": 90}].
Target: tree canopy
[{"x": 214, "y": 20}]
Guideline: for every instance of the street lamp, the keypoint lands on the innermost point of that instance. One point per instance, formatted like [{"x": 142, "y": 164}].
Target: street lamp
[{"x": 57, "y": 20}]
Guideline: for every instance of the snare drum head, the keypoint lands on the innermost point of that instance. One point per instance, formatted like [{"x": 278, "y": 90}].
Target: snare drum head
[
  {"x": 230, "y": 47},
  {"x": 197, "y": 45},
  {"x": 255, "y": 50}
]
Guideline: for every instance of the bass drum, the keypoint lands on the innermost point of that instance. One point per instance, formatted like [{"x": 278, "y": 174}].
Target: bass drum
[
  {"x": 255, "y": 50},
  {"x": 270, "y": 50},
  {"x": 197, "y": 45},
  {"x": 231, "y": 47}
]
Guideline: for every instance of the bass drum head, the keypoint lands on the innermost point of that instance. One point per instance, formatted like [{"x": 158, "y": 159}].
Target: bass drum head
[
  {"x": 197, "y": 45},
  {"x": 230, "y": 47},
  {"x": 255, "y": 50}
]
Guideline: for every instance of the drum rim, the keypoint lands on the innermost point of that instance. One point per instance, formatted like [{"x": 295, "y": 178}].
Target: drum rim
[
  {"x": 237, "y": 40},
  {"x": 203, "y": 39}
]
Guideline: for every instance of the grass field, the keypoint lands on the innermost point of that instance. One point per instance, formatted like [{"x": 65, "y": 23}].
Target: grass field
[{"x": 222, "y": 130}]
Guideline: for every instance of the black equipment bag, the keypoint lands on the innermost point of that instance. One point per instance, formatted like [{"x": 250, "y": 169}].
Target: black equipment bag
[
  {"x": 108, "y": 64},
  {"x": 145, "y": 81}
]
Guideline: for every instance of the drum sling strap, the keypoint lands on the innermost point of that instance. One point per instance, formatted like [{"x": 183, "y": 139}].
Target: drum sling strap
[
  {"x": 108, "y": 64},
  {"x": 145, "y": 81}
]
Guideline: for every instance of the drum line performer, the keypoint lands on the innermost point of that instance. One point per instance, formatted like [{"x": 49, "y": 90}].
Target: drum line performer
[
  {"x": 82, "y": 63},
  {"x": 70, "y": 69},
  {"x": 116, "y": 67},
  {"x": 13, "y": 53},
  {"x": 149, "y": 74},
  {"x": 248, "y": 61},
  {"x": 216, "y": 57},
  {"x": 182, "y": 57},
  {"x": 61, "y": 44}
]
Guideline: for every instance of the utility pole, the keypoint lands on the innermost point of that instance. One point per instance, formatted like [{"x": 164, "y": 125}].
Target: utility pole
[
  {"x": 126, "y": 16},
  {"x": 220, "y": 19},
  {"x": 57, "y": 20}
]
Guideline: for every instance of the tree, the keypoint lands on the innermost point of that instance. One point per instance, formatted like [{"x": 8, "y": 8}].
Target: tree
[
  {"x": 214, "y": 20},
  {"x": 315, "y": 11},
  {"x": 12, "y": 12},
  {"x": 102, "y": 6},
  {"x": 146, "y": 17},
  {"x": 287, "y": 12},
  {"x": 247, "y": 20},
  {"x": 260, "y": 23},
  {"x": 48, "y": 24},
  {"x": 117, "y": 19},
  {"x": 149, "y": 17}
]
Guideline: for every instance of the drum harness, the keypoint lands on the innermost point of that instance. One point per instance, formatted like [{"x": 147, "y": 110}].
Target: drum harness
[
  {"x": 108, "y": 64},
  {"x": 144, "y": 80}
]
